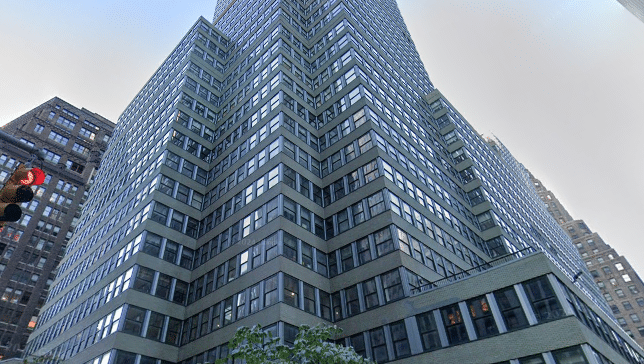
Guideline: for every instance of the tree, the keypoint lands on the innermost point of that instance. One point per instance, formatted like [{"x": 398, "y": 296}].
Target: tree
[
  {"x": 256, "y": 346},
  {"x": 42, "y": 359}
]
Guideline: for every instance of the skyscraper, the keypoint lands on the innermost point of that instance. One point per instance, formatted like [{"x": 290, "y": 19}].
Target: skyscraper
[
  {"x": 292, "y": 163},
  {"x": 620, "y": 285},
  {"x": 73, "y": 141},
  {"x": 636, "y": 7}
]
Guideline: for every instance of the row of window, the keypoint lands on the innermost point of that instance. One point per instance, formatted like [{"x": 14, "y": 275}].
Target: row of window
[
  {"x": 302, "y": 158},
  {"x": 128, "y": 319},
  {"x": 594, "y": 322},
  {"x": 296, "y": 153},
  {"x": 434, "y": 208},
  {"x": 426, "y": 226},
  {"x": 573, "y": 354},
  {"x": 108, "y": 194},
  {"x": 438, "y": 328},
  {"x": 186, "y": 167},
  {"x": 238, "y": 175},
  {"x": 419, "y": 172},
  {"x": 139, "y": 278},
  {"x": 180, "y": 192},
  {"x": 92, "y": 278},
  {"x": 97, "y": 236},
  {"x": 124, "y": 357}
]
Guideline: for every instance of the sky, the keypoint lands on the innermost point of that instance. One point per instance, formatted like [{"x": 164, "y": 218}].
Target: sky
[{"x": 559, "y": 82}]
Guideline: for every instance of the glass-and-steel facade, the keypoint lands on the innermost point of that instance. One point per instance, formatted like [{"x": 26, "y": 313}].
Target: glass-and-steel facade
[{"x": 292, "y": 163}]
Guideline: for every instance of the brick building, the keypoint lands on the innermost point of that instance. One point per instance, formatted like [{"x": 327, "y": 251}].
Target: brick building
[
  {"x": 73, "y": 141},
  {"x": 620, "y": 285}
]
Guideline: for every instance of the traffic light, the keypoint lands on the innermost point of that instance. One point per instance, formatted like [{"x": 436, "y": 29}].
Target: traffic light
[{"x": 17, "y": 189}]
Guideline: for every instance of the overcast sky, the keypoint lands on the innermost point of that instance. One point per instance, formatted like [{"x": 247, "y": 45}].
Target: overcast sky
[{"x": 559, "y": 82}]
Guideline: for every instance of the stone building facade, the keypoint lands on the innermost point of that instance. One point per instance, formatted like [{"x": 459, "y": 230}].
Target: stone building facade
[{"x": 73, "y": 141}]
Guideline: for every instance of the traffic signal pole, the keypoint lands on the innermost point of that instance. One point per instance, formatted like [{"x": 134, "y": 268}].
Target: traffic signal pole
[{"x": 35, "y": 152}]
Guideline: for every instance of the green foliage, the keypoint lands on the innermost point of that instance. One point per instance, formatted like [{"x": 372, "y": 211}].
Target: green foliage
[
  {"x": 42, "y": 359},
  {"x": 256, "y": 346}
]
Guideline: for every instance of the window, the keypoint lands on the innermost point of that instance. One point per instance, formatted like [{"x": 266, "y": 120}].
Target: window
[
  {"x": 51, "y": 156},
  {"x": 163, "y": 286},
  {"x": 171, "y": 251},
  {"x": 160, "y": 213},
  {"x": 228, "y": 311},
  {"x": 172, "y": 334},
  {"x": 627, "y": 305},
  {"x": 376, "y": 204},
  {"x": 626, "y": 278},
  {"x": 39, "y": 128},
  {"x": 384, "y": 241},
  {"x": 240, "y": 310},
  {"x": 58, "y": 138},
  {"x": 309, "y": 298},
  {"x": 290, "y": 247},
  {"x": 620, "y": 293},
  {"x": 364, "y": 250},
  {"x": 134, "y": 320},
  {"x": 143, "y": 280},
  {"x": 635, "y": 318},
  {"x": 155, "y": 326},
  {"x": 619, "y": 266},
  {"x": 532, "y": 359},
  {"x": 510, "y": 307},
  {"x": 482, "y": 318},
  {"x": 291, "y": 290},
  {"x": 289, "y": 210},
  {"x": 87, "y": 134},
  {"x": 543, "y": 299},
  {"x": 399, "y": 338},
  {"x": 353, "y": 301},
  {"x": 613, "y": 281},
  {"x": 633, "y": 289},
  {"x": 378, "y": 345},
  {"x": 254, "y": 299},
  {"x": 370, "y": 291},
  {"x": 270, "y": 291},
  {"x": 180, "y": 292},
  {"x": 392, "y": 286},
  {"x": 322, "y": 265},
  {"x": 80, "y": 149},
  {"x": 358, "y": 344},
  {"x": 640, "y": 301},
  {"x": 152, "y": 244},
  {"x": 122, "y": 357},
  {"x": 428, "y": 331},
  {"x": 454, "y": 325},
  {"x": 346, "y": 258},
  {"x": 76, "y": 167},
  {"x": 325, "y": 305}
]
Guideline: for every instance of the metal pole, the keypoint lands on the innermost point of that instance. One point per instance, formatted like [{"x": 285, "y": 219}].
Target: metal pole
[{"x": 37, "y": 152}]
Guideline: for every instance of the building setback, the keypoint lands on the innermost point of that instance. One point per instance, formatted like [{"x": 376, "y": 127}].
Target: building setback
[
  {"x": 619, "y": 283},
  {"x": 73, "y": 141},
  {"x": 292, "y": 163}
]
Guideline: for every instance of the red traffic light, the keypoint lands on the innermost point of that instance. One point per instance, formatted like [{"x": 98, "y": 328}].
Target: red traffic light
[
  {"x": 30, "y": 176},
  {"x": 17, "y": 189}
]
